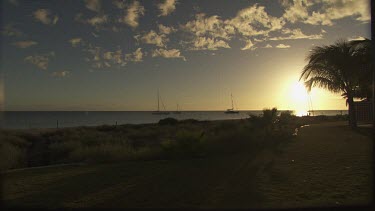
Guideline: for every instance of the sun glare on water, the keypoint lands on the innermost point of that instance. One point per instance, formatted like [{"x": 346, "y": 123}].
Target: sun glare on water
[{"x": 299, "y": 99}]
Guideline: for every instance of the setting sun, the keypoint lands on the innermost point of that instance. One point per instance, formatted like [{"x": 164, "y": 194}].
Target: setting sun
[{"x": 299, "y": 99}]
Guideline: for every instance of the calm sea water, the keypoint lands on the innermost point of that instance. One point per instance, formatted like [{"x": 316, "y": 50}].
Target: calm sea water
[{"x": 50, "y": 119}]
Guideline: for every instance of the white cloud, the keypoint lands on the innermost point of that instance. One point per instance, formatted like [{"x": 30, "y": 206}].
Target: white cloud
[
  {"x": 115, "y": 57},
  {"x": 206, "y": 43},
  {"x": 356, "y": 38},
  {"x": 167, "y": 7},
  {"x": 25, "y": 44},
  {"x": 10, "y": 31},
  {"x": 44, "y": 16},
  {"x": 136, "y": 56},
  {"x": 254, "y": 20},
  {"x": 41, "y": 61},
  {"x": 282, "y": 46},
  {"x": 153, "y": 38},
  {"x": 61, "y": 74},
  {"x": 93, "y": 5},
  {"x": 96, "y": 21},
  {"x": 165, "y": 29},
  {"x": 133, "y": 12},
  {"x": 209, "y": 26},
  {"x": 325, "y": 12},
  {"x": 119, "y": 4},
  {"x": 172, "y": 53},
  {"x": 294, "y": 34},
  {"x": 75, "y": 41},
  {"x": 101, "y": 58},
  {"x": 338, "y": 9},
  {"x": 267, "y": 46},
  {"x": 249, "y": 45},
  {"x": 296, "y": 11},
  {"x": 318, "y": 18}
]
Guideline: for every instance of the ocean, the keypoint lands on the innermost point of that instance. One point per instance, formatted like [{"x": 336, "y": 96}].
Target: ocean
[{"x": 53, "y": 119}]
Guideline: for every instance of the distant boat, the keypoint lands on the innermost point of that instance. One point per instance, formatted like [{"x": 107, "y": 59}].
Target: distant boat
[
  {"x": 231, "y": 110},
  {"x": 177, "y": 111},
  {"x": 158, "y": 112}
]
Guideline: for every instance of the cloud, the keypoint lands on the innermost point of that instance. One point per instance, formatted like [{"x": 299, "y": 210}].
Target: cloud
[
  {"x": 133, "y": 12},
  {"x": 96, "y": 21},
  {"x": 165, "y": 29},
  {"x": 356, "y": 38},
  {"x": 153, "y": 38},
  {"x": 254, "y": 20},
  {"x": 209, "y": 26},
  {"x": 296, "y": 11},
  {"x": 101, "y": 58},
  {"x": 136, "y": 56},
  {"x": 61, "y": 74},
  {"x": 119, "y": 4},
  {"x": 318, "y": 18},
  {"x": 10, "y": 31},
  {"x": 267, "y": 46},
  {"x": 338, "y": 9},
  {"x": 206, "y": 43},
  {"x": 25, "y": 44},
  {"x": 282, "y": 46},
  {"x": 41, "y": 61},
  {"x": 167, "y": 7},
  {"x": 44, "y": 16},
  {"x": 172, "y": 53},
  {"x": 75, "y": 41},
  {"x": 115, "y": 57},
  {"x": 294, "y": 34},
  {"x": 249, "y": 45},
  {"x": 325, "y": 12},
  {"x": 93, "y": 5}
]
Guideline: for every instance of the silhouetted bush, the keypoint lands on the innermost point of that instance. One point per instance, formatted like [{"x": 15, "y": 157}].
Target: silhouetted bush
[
  {"x": 189, "y": 121},
  {"x": 286, "y": 117},
  {"x": 266, "y": 120},
  {"x": 185, "y": 144},
  {"x": 168, "y": 121},
  {"x": 12, "y": 151}
]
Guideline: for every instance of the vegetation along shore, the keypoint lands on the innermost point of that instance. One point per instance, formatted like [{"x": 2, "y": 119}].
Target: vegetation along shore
[{"x": 231, "y": 163}]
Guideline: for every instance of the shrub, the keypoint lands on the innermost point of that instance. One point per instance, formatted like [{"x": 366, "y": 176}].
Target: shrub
[
  {"x": 189, "y": 121},
  {"x": 168, "y": 121},
  {"x": 185, "y": 144},
  {"x": 12, "y": 151}
]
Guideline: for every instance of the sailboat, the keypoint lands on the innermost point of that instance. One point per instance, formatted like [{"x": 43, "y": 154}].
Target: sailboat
[
  {"x": 158, "y": 111},
  {"x": 231, "y": 110},
  {"x": 177, "y": 111}
]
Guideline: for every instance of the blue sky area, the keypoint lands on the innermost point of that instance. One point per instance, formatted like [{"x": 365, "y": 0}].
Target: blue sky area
[{"x": 115, "y": 55}]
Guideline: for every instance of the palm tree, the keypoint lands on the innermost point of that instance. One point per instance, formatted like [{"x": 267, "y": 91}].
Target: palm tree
[{"x": 339, "y": 68}]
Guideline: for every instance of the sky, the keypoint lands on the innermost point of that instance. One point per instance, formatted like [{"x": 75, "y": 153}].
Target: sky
[{"x": 115, "y": 55}]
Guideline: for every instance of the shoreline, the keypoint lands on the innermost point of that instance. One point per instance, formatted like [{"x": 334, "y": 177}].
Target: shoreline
[{"x": 327, "y": 117}]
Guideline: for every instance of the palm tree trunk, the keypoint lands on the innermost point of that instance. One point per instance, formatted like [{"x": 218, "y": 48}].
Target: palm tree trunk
[{"x": 352, "y": 113}]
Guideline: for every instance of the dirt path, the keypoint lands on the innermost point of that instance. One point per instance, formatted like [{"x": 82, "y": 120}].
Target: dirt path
[{"x": 325, "y": 165}]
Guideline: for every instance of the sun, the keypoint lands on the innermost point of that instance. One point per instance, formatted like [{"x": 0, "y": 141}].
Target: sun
[{"x": 298, "y": 98}]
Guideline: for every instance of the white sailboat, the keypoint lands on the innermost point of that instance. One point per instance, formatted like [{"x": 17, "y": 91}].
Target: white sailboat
[
  {"x": 231, "y": 110},
  {"x": 158, "y": 112}
]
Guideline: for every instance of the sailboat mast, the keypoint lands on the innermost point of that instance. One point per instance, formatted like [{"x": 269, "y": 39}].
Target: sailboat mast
[
  {"x": 158, "y": 100},
  {"x": 232, "y": 100}
]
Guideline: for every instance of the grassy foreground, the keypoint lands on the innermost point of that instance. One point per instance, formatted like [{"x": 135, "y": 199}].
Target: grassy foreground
[{"x": 326, "y": 164}]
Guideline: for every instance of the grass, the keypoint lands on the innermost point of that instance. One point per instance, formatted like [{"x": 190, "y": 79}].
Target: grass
[
  {"x": 170, "y": 139},
  {"x": 220, "y": 164}
]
